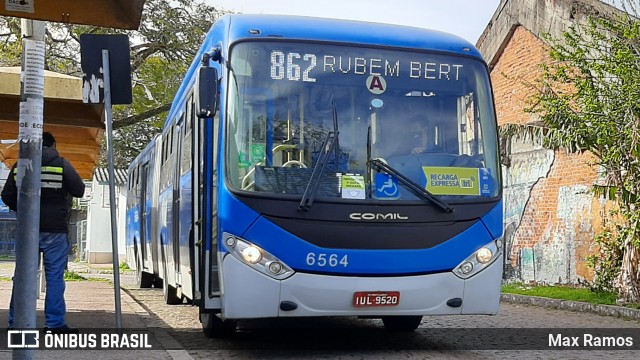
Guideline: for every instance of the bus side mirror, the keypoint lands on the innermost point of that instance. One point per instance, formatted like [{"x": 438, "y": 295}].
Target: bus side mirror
[{"x": 207, "y": 85}]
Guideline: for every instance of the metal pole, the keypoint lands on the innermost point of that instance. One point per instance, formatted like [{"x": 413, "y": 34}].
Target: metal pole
[
  {"x": 112, "y": 194},
  {"x": 28, "y": 179}
]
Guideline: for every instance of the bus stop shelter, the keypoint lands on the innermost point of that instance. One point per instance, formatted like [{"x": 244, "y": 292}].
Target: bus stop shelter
[{"x": 77, "y": 127}]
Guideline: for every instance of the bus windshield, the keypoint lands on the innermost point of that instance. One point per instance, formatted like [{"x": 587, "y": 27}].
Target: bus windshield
[{"x": 428, "y": 116}]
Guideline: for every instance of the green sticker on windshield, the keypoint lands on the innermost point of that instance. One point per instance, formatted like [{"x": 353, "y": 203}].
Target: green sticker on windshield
[
  {"x": 243, "y": 160},
  {"x": 452, "y": 180},
  {"x": 353, "y": 187},
  {"x": 257, "y": 153}
]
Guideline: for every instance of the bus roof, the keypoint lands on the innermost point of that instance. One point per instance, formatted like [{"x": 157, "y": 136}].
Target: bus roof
[{"x": 336, "y": 30}]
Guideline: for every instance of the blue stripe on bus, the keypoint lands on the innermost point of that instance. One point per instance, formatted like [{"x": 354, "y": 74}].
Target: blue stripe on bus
[
  {"x": 238, "y": 219},
  {"x": 295, "y": 252}
]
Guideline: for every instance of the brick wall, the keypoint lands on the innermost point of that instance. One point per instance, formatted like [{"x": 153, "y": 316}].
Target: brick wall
[{"x": 551, "y": 216}]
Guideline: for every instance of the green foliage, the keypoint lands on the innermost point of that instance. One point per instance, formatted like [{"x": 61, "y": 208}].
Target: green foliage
[
  {"x": 589, "y": 99},
  {"x": 72, "y": 276},
  {"x": 608, "y": 261},
  {"x": 156, "y": 81},
  {"x": 12, "y": 56},
  {"x": 562, "y": 292},
  {"x": 10, "y": 45},
  {"x": 124, "y": 266}
]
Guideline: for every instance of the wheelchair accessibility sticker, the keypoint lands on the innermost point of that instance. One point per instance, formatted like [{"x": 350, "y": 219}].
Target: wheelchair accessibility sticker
[{"x": 386, "y": 187}]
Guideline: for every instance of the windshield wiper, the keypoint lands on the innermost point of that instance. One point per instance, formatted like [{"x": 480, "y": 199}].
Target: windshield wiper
[
  {"x": 330, "y": 143},
  {"x": 314, "y": 181},
  {"x": 415, "y": 188}
]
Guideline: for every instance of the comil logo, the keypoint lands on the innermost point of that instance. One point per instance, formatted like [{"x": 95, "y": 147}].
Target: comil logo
[
  {"x": 23, "y": 339},
  {"x": 377, "y": 216}
]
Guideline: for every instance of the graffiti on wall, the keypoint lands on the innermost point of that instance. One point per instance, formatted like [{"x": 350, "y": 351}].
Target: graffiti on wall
[
  {"x": 529, "y": 162},
  {"x": 555, "y": 257},
  {"x": 549, "y": 246}
]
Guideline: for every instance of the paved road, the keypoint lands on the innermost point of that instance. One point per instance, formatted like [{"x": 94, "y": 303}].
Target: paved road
[{"x": 437, "y": 337}]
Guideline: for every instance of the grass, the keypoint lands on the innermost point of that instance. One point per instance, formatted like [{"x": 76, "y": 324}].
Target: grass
[
  {"x": 68, "y": 276},
  {"x": 123, "y": 267},
  {"x": 563, "y": 293},
  {"x": 72, "y": 276}
]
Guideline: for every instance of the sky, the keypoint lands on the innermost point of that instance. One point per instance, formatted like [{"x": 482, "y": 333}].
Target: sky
[{"x": 465, "y": 18}]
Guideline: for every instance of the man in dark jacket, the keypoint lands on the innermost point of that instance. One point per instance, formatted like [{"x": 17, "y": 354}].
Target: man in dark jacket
[{"x": 59, "y": 180}]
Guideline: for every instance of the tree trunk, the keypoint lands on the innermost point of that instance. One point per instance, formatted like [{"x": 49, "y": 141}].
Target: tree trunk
[{"x": 628, "y": 282}]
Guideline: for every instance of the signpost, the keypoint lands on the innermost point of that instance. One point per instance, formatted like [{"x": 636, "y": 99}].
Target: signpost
[
  {"x": 106, "y": 62},
  {"x": 28, "y": 179}
]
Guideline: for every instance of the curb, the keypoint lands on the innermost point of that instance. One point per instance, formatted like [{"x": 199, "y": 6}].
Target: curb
[{"x": 600, "y": 309}]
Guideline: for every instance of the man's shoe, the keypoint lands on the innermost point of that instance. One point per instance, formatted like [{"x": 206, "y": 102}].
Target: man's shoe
[{"x": 64, "y": 329}]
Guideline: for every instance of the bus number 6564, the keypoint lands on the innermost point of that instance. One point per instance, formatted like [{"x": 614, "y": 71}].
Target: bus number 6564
[{"x": 324, "y": 260}]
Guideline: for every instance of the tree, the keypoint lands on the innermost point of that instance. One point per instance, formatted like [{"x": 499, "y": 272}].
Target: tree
[
  {"x": 162, "y": 48},
  {"x": 589, "y": 99}
]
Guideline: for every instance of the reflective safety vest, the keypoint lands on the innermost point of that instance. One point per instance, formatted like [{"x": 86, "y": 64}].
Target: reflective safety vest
[{"x": 50, "y": 177}]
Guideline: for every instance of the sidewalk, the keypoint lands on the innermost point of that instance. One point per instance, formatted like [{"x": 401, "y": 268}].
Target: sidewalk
[
  {"x": 569, "y": 305},
  {"x": 91, "y": 309}
]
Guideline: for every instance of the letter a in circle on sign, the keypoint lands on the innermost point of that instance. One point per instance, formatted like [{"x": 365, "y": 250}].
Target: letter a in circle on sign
[{"x": 376, "y": 84}]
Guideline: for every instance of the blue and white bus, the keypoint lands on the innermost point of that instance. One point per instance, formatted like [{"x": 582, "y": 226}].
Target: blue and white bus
[{"x": 316, "y": 167}]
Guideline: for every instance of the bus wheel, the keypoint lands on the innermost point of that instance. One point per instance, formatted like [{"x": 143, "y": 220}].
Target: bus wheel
[
  {"x": 214, "y": 327},
  {"x": 401, "y": 323},
  {"x": 143, "y": 279}
]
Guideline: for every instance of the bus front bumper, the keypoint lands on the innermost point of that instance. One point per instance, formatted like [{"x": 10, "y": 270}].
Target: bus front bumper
[{"x": 248, "y": 293}]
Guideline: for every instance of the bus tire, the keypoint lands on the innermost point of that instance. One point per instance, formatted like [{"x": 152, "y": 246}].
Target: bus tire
[
  {"x": 401, "y": 323},
  {"x": 214, "y": 327},
  {"x": 143, "y": 279}
]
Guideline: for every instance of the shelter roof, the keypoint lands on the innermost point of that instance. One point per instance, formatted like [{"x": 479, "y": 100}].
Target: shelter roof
[
  {"x": 122, "y": 14},
  {"x": 102, "y": 176},
  {"x": 77, "y": 127}
]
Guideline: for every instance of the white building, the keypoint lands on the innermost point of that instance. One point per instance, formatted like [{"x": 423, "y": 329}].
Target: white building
[{"x": 98, "y": 246}]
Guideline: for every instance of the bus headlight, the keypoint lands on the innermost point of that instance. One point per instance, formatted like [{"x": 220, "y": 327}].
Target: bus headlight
[
  {"x": 275, "y": 267},
  {"x": 256, "y": 257},
  {"x": 466, "y": 267},
  {"x": 251, "y": 254},
  {"x": 484, "y": 255},
  {"x": 479, "y": 260}
]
